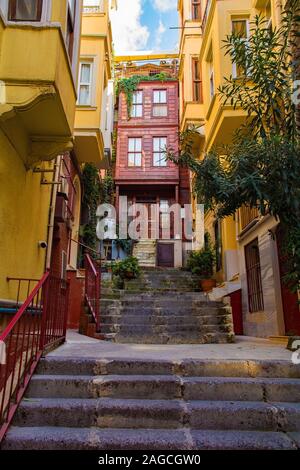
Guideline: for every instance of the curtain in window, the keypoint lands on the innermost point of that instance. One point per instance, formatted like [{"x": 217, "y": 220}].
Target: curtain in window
[
  {"x": 239, "y": 27},
  {"x": 85, "y": 76},
  {"x": 26, "y": 10}
]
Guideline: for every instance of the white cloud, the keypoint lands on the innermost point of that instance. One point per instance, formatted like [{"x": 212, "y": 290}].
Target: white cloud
[
  {"x": 159, "y": 34},
  {"x": 128, "y": 32},
  {"x": 165, "y": 5}
]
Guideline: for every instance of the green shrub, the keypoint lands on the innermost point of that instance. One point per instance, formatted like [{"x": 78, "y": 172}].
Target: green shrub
[{"x": 127, "y": 268}]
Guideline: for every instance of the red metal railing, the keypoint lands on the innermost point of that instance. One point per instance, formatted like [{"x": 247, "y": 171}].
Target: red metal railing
[
  {"x": 39, "y": 323},
  {"x": 93, "y": 288}
]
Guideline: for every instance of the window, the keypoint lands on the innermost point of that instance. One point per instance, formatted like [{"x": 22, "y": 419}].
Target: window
[
  {"x": 92, "y": 6},
  {"x": 164, "y": 214},
  {"x": 71, "y": 26},
  {"x": 241, "y": 29},
  {"x": 269, "y": 16},
  {"x": 197, "y": 81},
  {"x": 64, "y": 264},
  {"x": 159, "y": 145},
  {"x": 196, "y": 9},
  {"x": 135, "y": 151},
  {"x": 211, "y": 80},
  {"x": 210, "y": 70},
  {"x": 255, "y": 291},
  {"x": 160, "y": 107},
  {"x": 85, "y": 84},
  {"x": 137, "y": 104},
  {"x": 218, "y": 244},
  {"x": 25, "y": 10}
]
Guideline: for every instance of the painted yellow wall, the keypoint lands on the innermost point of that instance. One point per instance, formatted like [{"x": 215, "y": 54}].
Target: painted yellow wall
[
  {"x": 24, "y": 211},
  {"x": 36, "y": 124},
  {"x": 220, "y": 121}
]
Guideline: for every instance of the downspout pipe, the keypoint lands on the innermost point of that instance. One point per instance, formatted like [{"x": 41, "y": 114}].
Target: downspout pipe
[{"x": 52, "y": 212}]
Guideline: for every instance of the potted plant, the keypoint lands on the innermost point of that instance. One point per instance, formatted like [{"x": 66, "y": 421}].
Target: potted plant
[
  {"x": 127, "y": 268},
  {"x": 202, "y": 263}
]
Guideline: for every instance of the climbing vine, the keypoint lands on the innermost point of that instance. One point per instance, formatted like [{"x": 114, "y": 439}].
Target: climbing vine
[
  {"x": 91, "y": 198},
  {"x": 107, "y": 189},
  {"x": 129, "y": 85}
]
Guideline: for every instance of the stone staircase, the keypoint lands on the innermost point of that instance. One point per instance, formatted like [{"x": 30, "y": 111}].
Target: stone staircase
[
  {"x": 129, "y": 404},
  {"x": 161, "y": 307},
  {"x": 145, "y": 252}
]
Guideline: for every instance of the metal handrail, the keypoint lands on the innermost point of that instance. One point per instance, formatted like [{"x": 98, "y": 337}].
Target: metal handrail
[
  {"x": 39, "y": 323},
  {"x": 93, "y": 289}
]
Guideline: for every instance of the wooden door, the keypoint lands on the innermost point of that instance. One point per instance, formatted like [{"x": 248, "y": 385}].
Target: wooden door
[
  {"x": 165, "y": 255},
  {"x": 289, "y": 299}
]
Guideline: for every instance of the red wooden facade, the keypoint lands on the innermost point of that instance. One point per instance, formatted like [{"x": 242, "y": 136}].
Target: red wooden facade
[
  {"x": 147, "y": 127},
  {"x": 139, "y": 174}
]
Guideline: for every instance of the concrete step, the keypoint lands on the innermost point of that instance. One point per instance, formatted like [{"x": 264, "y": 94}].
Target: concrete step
[
  {"x": 172, "y": 338},
  {"x": 149, "y": 318},
  {"x": 165, "y": 387},
  {"x": 157, "y": 328},
  {"x": 164, "y": 414},
  {"x": 56, "y": 438},
  {"x": 56, "y": 365}
]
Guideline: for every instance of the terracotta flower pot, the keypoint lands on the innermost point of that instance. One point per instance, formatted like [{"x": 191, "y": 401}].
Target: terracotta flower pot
[
  {"x": 129, "y": 274},
  {"x": 207, "y": 284}
]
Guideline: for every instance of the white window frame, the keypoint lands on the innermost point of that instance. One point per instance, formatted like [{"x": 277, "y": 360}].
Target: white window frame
[
  {"x": 211, "y": 80},
  {"x": 90, "y": 84},
  {"x": 137, "y": 105},
  {"x": 137, "y": 154},
  {"x": 160, "y": 103},
  {"x": 234, "y": 68},
  {"x": 45, "y": 17},
  {"x": 161, "y": 162}
]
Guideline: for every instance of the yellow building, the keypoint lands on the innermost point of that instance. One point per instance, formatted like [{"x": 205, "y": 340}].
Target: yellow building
[
  {"x": 39, "y": 43},
  {"x": 56, "y": 113},
  {"x": 202, "y": 39},
  {"x": 94, "y": 112}
]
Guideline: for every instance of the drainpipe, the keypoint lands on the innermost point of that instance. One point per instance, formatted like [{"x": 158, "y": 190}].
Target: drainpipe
[{"x": 52, "y": 212}]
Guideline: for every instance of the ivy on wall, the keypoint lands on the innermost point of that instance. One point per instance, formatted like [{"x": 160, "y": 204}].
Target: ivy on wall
[
  {"x": 129, "y": 85},
  {"x": 91, "y": 198}
]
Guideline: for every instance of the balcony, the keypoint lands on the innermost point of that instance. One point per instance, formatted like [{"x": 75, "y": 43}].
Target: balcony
[
  {"x": 193, "y": 114},
  {"x": 38, "y": 104},
  {"x": 94, "y": 9},
  {"x": 89, "y": 147}
]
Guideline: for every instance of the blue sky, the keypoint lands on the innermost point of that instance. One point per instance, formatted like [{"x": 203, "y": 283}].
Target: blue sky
[{"x": 140, "y": 25}]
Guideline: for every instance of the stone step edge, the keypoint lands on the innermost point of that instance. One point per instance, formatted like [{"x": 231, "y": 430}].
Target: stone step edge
[
  {"x": 51, "y": 438},
  {"x": 196, "y": 414},
  {"x": 205, "y": 367}
]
